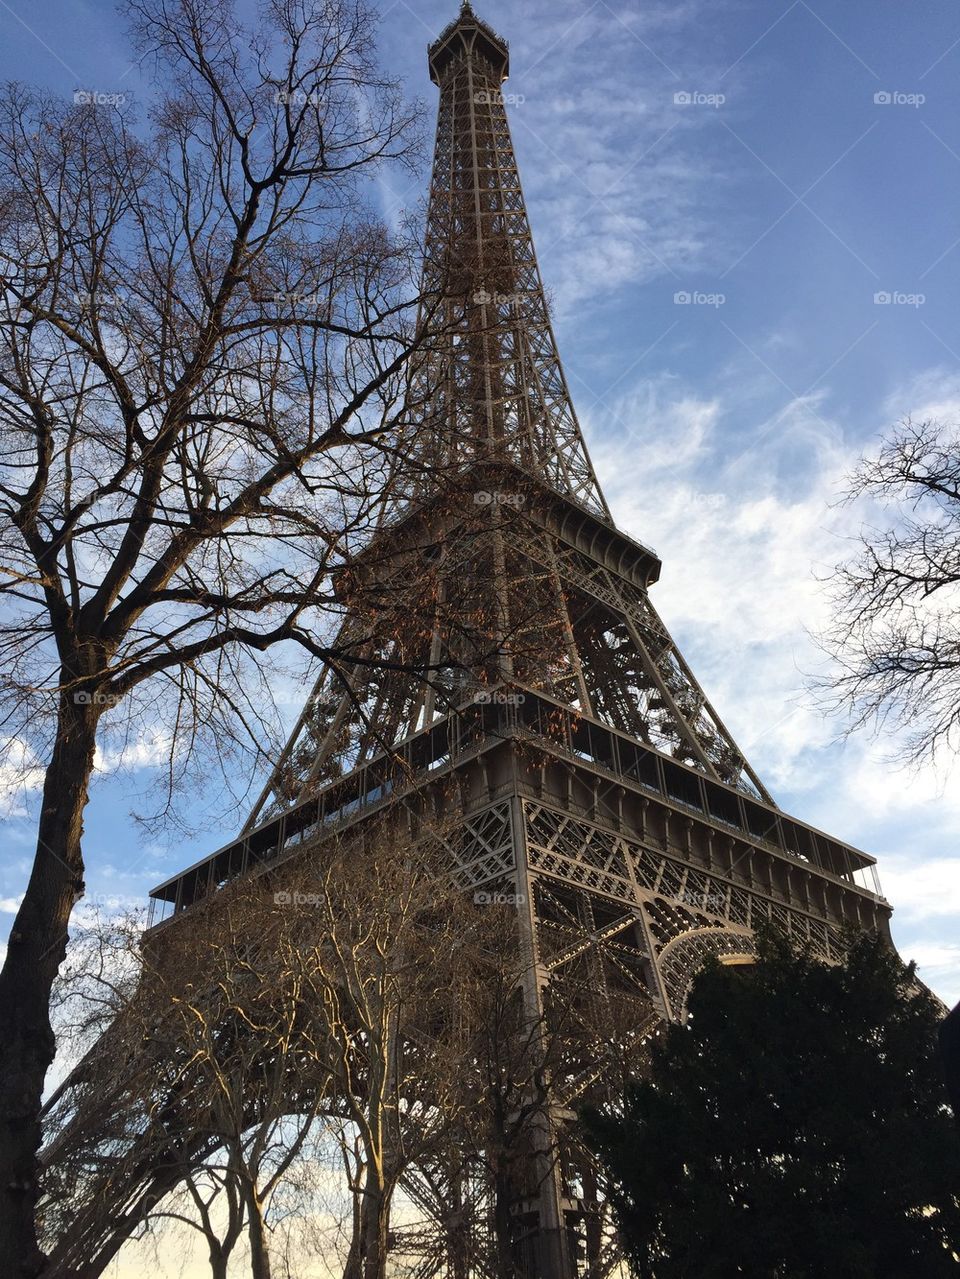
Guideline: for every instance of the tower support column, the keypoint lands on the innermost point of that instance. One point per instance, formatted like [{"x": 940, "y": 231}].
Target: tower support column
[{"x": 550, "y": 1252}]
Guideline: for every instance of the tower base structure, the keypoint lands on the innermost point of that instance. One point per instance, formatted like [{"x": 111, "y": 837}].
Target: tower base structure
[{"x": 627, "y": 869}]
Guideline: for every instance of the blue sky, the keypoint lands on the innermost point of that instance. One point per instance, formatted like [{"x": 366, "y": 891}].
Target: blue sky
[{"x": 783, "y": 197}]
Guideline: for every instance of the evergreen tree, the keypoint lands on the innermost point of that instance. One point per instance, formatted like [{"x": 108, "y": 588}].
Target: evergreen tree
[{"x": 796, "y": 1126}]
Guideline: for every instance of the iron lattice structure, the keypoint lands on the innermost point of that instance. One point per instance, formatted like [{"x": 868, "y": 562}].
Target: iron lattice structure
[{"x": 500, "y": 644}]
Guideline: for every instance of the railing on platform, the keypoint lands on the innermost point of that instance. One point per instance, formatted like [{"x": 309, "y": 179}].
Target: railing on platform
[{"x": 493, "y": 715}]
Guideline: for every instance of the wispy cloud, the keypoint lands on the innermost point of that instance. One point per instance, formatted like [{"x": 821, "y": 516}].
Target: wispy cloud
[
  {"x": 923, "y": 890},
  {"x": 21, "y": 775},
  {"x": 739, "y": 591}
]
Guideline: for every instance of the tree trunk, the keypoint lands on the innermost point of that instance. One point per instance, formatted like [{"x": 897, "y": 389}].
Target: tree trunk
[
  {"x": 352, "y": 1266},
  {"x": 36, "y": 949},
  {"x": 256, "y": 1233},
  {"x": 375, "y": 1232},
  {"x": 218, "y": 1264},
  {"x": 503, "y": 1223},
  {"x": 367, "y": 1258},
  {"x": 458, "y": 1231}
]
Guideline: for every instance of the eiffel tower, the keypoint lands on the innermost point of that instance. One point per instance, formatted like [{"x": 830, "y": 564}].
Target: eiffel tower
[{"x": 499, "y": 639}]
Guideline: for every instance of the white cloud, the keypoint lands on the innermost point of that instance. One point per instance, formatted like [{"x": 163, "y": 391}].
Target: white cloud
[
  {"x": 923, "y": 889},
  {"x": 621, "y": 191},
  {"x": 934, "y": 394},
  {"x": 938, "y": 966},
  {"x": 740, "y": 595},
  {"x": 143, "y": 752},
  {"x": 663, "y": 427},
  {"x": 20, "y": 774},
  {"x": 942, "y": 955},
  {"x": 737, "y": 588}
]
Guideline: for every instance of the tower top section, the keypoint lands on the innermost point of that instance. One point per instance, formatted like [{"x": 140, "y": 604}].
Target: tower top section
[
  {"x": 488, "y": 383},
  {"x": 467, "y": 36}
]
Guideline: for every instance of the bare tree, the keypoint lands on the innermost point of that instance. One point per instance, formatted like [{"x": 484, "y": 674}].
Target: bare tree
[
  {"x": 210, "y": 1052},
  {"x": 392, "y": 951},
  {"x": 323, "y": 1001},
  {"x": 203, "y": 338},
  {"x": 203, "y": 1196},
  {"x": 895, "y": 633},
  {"x": 258, "y": 1055},
  {"x": 353, "y": 1000}
]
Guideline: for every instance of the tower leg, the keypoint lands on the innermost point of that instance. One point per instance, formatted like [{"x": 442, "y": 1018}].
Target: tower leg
[{"x": 549, "y": 1251}]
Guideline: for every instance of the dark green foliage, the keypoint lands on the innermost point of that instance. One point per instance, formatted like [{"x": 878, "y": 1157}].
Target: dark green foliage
[{"x": 797, "y": 1126}]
